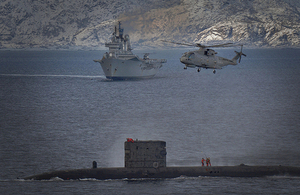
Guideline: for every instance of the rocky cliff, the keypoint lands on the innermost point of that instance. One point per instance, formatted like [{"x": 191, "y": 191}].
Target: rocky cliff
[{"x": 88, "y": 24}]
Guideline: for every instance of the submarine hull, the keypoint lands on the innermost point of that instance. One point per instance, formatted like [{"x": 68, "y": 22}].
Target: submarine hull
[{"x": 170, "y": 172}]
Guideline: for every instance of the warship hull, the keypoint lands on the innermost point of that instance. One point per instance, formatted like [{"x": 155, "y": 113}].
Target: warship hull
[
  {"x": 118, "y": 69},
  {"x": 170, "y": 172},
  {"x": 119, "y": 63}
]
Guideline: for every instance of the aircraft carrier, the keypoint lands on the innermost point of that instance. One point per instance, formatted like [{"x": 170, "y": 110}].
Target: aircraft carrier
[
  {"x": 147, "y": 159},
  {"x": 121, "y": 64}
]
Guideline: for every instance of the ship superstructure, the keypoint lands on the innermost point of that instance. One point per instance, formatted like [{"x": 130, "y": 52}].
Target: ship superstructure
[{"x": 120, "y": 63}]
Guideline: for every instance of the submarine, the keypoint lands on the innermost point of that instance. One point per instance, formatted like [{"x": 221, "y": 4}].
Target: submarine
[{"x": 147, "y": 159}]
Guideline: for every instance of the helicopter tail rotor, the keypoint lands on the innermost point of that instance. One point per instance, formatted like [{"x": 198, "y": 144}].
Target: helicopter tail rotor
[{"x": 240, "y": 54}]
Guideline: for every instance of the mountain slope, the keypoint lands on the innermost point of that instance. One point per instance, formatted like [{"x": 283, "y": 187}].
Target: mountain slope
[
  {"x": 268, "y": 22},
  {"x": 89, "y": 23}
]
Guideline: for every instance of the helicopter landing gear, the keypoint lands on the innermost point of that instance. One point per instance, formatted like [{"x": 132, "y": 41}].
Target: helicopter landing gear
[
  {"x": 199, "y": 70},
  {"x": 185, "y": 68},
  {"x": 214, "y": 71}
]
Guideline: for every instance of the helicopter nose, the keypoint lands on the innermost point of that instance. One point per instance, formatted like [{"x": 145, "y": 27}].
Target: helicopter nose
[{"x": 182, "y": 59}]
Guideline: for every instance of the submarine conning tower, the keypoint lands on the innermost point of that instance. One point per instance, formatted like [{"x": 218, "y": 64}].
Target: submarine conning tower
[{"x": 145, "y": 154}]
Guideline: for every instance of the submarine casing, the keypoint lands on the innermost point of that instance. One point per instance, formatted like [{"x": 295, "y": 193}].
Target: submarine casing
[
  {"x": 147, "y": 159},
  {"x": 170, "y": 172}
]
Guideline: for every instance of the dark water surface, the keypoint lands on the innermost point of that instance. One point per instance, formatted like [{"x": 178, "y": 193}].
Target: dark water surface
[{"x": 57, "y": 112}]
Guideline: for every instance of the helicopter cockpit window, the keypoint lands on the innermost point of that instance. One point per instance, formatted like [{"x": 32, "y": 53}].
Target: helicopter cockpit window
[{"x": 191, "y": 56}]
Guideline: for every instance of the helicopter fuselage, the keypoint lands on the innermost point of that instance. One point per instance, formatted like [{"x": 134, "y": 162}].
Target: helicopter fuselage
[{"x": 205, "y": 58}]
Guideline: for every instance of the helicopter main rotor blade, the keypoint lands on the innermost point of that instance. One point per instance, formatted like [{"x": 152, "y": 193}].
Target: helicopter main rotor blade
[
  {"x": 221, "y": 45},
  {"x": 186, "y": 44},
  {"x": 203, "y": 46},
  {"x": 224, "y": 45}
]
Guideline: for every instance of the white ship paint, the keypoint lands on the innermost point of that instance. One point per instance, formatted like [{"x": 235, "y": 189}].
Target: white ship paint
[{"x": 121, "y": 64}]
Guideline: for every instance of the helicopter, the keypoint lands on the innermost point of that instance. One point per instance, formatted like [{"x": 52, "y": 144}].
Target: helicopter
[{"x": 206, "y": 58}]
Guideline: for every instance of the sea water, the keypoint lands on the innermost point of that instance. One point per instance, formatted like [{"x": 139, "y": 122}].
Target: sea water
[{"x": 59, "y": 112}]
